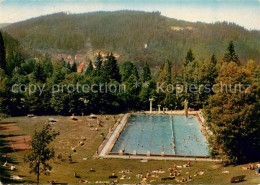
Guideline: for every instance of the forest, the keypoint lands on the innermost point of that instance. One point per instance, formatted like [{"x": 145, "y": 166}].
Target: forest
[{"x": 127, "y": 32}]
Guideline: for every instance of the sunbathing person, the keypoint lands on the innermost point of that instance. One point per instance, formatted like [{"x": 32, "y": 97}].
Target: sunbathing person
[
  {"x": 148, "y": 174},
  {"x": 158, "y": 171},
  {"x": 183, "y": 180},
  {"x": 5, "y": 164},
  {"x": 73, "y": 117},
  {"x": 144, "y": 180},
  {"x": 52, "y": 181},
  {"x": 161, "y": 170},
  {"x": 171, "y": 175},
  {"x": 94, "y": 129},
  {"x": 201, "y": 172},
  {"x": 251, "y": 167},
  {"x": 113, "y": 175},
  {"x": 124, "y": 177},
  {"x": 185, "y": 165},
  {"x": 196, "y": 174},
  {"x": 155, "y": 171},
  {"x": 83, "y": 181},
  {"x": 128, "y": 171},
  {"x": 13, "y": 168},
  {"x": 139, "y": 175}
]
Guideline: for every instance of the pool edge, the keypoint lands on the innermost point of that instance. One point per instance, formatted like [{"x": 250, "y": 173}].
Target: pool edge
[{"x": 106, "y": 151}]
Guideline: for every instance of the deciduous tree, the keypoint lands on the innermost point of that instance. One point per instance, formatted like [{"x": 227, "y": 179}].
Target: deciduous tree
[{"x": 41, "y": 153}]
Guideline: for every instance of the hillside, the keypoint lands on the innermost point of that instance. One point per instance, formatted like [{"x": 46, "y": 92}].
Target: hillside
[
  {"x": 127, "y": 32},
  {"x": 3, "y": 25}
]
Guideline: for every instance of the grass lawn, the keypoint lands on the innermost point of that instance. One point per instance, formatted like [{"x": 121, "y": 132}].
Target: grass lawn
[{"x": 71, "y": 133}]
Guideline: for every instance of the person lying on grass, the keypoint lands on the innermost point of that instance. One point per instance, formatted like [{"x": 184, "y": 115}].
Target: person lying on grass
[{"x": 158, "y": 171}]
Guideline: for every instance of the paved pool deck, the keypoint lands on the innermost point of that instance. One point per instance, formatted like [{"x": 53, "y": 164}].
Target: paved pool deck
[
  {"x": 159, "y": 158},
  {"x": 114, "y": 136}
]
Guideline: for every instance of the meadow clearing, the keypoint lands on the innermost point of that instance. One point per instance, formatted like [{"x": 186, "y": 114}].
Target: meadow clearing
[{"x": 17, "y": 132}]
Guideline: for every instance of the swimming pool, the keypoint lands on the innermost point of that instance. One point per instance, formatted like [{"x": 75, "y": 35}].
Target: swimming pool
[{"x": 171, "y": 134}]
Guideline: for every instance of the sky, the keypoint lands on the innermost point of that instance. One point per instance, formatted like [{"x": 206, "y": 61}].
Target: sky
[{"x": 245, "y": 13}]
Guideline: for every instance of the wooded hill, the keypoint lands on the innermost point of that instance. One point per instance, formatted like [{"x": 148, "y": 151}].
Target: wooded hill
[{"x": 127, "y": 32}]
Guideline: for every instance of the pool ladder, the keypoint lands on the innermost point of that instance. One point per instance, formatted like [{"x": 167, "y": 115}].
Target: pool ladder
[{"x": 173, "y": 142}]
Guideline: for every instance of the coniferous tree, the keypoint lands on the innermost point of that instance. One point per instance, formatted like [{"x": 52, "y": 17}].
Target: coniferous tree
[
  {"x": 213, "y": 59},
  {"x": 230, "y": 54},
  {"x": 2, "y": 53},
  {"x": 98, "y": 64},
  {"x": 74, "y": 67},
  {"x": 189, "y": 57},
  {"x": 63, "y": 62},
  {"x": 212, "y": 71},
  {"x": 48, "y": 67},
  {"x": 127, "y": 70},
  {"x": 111, "y": 69},
  {"x": 38, "y": 73},
  {"x": 13, "y": 60},
  {"x": 146, "y": 76},
  {"x": 89, "y": 68},
  {"x": 69, "y": 66}
]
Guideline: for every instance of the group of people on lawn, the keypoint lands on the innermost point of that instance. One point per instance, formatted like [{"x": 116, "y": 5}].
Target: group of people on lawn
[{"x": 174, "y": 172}]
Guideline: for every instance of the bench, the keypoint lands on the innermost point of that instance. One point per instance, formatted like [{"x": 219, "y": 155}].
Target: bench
[
  {"x": 237, "y": 178},
  {"x": 30, "y": 115},
  {"x": 168, "y": 178}
]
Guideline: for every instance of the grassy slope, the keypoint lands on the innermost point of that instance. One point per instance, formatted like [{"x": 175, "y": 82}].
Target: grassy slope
[{"x": 70, "y": 135}]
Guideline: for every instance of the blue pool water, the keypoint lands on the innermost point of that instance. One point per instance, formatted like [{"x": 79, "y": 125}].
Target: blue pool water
[{"x": 171, "y": 134}]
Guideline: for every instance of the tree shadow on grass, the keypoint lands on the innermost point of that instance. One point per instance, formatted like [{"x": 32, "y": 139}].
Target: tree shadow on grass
[
  {"x": 4, "y": 157},
  {"x": 5, "y": 149}
]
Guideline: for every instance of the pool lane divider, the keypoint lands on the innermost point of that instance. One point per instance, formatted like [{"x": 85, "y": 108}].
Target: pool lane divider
[{"x": 173, "y": 140}]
